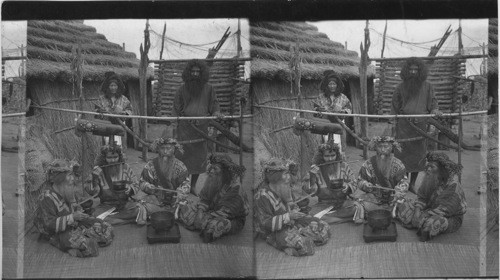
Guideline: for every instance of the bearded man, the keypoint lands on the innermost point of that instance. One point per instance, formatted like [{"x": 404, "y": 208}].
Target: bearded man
[
  {"x": 66, "y": 227},
  {"x": 113, "y": 101},
  {"x": 382, "y": 178},
  {"x": 440, "y": 205},
  {"x": 413, "y": 96},
  {"x": 114, "y": 183},
  {"x": 165, "y": 174},
  {"x": 278, "y": 222},
  {"x": 332, "y": 100},
  {"x": 223, "y": 207},
  {"x": 194, "y": 98}
]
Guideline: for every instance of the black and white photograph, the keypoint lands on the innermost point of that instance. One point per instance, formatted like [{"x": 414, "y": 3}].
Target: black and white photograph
[
  {"x": 109, "y": 187},
  {"x": 348, "y": 183},
  {"x": 287, "y": 140}
]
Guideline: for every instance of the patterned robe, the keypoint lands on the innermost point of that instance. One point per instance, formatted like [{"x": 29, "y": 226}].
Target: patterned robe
[
  {"x": 152, "y": 177},
  {"x": 54, "y": 219},
  {"x": 102, "y": 185},
  {"x": 436, "y": 211},
  {"x": 220, "y": 211},
  {"x": 324, "y": 192},
  {"x": 186, "y": 105},
  {"x": 395, "y": 179},
  {"x": 412, "y": 153},
  {"x": 272, "y": 222},
  {"x": 336, "y": 104},
  {"x": 112, "y": 104}
]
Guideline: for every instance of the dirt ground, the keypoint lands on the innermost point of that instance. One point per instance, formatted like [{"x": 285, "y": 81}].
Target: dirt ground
[{"x": 22, "y": 257}]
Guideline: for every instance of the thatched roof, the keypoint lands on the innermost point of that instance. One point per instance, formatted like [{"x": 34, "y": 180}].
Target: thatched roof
[
  {"x": 49, "y": 52},
  {"x": 493, "y": 45},
  {"x": 270, "y": 51}
]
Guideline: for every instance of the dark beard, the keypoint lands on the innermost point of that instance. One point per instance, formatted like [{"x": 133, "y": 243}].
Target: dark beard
[
  {"x": 194, "y": 86},
  {"x": 412, "y": 86},
  {"x": 330, "y": 169},
  {"x": 383, "y": 162},
  {"x": 112, "y": 170},
  {"x": 429, "y": 184},
  {"x": 214, "y": 181},
  {"x": 166, "y": 166}
]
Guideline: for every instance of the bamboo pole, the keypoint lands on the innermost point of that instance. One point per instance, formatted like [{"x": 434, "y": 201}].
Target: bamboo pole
[
  {"x": 295, "y": 82},
  {"x": 163, "y": 39},
  {"x": 373, "y": 116},
  {"x": 430, "y": 57}
]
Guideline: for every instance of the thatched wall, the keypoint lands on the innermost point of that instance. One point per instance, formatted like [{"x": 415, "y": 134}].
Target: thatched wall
[
  {"x": 223, "y": 77},
  {"x": 493, "y": 46},
  {"x": 285, "y": 143},
  {"x": 441, "y": 72}
]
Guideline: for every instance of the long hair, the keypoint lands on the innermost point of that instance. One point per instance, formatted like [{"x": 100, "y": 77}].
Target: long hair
[
  {"x": 329, "y": 75},
  {"x": 204, "y": 75},
  {"x": 423, "y": 71},
  {"x": 112, "y": 77}
]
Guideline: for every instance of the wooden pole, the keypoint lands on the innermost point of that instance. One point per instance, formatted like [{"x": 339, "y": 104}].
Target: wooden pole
[
  {"x": 295, "y": 79},
  {"x": 383, "y": 40},
  {"x": 163, "y": 39},
  {"x": 238, "y": 42},
  {"x": 143, "y": 68},
  {"x": 430, "y": 57},
  {"x": 77, "y": 69},
  {"x": 460, "y": 45},
  {"x": 364, "y": 86}
]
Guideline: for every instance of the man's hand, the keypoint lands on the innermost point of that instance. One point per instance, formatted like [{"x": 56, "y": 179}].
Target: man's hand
[
  {"x": 294, "y": 215},
  {"x": 78, "y": 216},
  {"x": 314, "y": 169}
]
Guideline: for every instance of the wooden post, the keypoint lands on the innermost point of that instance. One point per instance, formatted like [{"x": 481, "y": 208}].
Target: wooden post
[
  {"x": 460, "y": 46},
  {"x": 163, "y": 39},
  {"x": 364, "y": 87},
  {"x": 143, "y": 69},
  {"x": 383, "y": 40},
  {"x": 295, "y": 76},
  {"x": 76, "y": 67},
  {"x": 238, "y": 42}
]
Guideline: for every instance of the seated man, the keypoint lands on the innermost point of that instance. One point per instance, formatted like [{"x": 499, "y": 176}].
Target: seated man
[
  {"x": 165, "y": 174},
  {"x": 282, "y": 227},
  {"x": 382, "y": 178},
  {"x": 441, "y": 205},
  {"x": 113, "y": 182},
  {"x": 222, "y": 209},
  {"x": 67, "y": 229}
]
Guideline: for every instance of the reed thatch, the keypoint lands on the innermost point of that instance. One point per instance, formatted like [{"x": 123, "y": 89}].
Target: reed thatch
[
  {"x": 49, "y": 52},
  {"x": 493, "y": 46},
  {"x": 271, "y": 42}
]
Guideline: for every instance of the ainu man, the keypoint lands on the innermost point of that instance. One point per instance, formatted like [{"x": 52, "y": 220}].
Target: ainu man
[
  {"x": 382, "y": 170},
  {"x": 223, "y": 207},
  {"x": 67, "y": 227},
  {"x": 282, "y": 226},
  {"x": 441, "y": 204},
  {"x": 196, "y": 97},
  {"x": 415, "y": 95}
]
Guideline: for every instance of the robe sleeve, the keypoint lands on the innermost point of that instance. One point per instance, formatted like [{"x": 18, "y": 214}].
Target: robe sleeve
[
  {"x": 348, "y": 177},
  {"x": 449, "y": 203},
  {"x": 127, "y": 106},
  {"x": 129, "y": 176},
  {"x": 206, "y": 195},
  {"x": 265, "y": 216},
  {"x": 365, "y": 179},
  {"x": 396, "y": 104},
  {"x": 347, "y": 106},
  {"x": 148, "y": 181},
  {"x": 50, "y": 221}
]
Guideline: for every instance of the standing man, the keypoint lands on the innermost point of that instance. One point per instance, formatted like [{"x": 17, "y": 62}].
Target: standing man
[
  {"x": 332, "y": 100},
  {"x": 413, "y": 96},
  {"x": 194, "y": 98}
]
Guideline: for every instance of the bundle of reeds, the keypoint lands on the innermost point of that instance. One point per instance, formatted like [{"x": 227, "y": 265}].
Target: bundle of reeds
[{"x": 283, "y": 143}]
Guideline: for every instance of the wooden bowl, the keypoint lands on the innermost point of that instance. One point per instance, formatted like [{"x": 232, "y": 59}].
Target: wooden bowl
[
  {"x": 119, "y": 185},
  {"x": 379, "y": 219},
  {"x": 162, "y": 221}
]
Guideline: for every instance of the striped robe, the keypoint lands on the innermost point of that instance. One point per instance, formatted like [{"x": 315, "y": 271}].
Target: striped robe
[
  {"x": 54, "y": 220},
  {"x": 101, "y": 186},
  {"x": 272, "y": 222}
]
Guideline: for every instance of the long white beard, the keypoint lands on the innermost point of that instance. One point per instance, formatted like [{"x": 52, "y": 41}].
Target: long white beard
[{"x": 214, "y": 180}]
